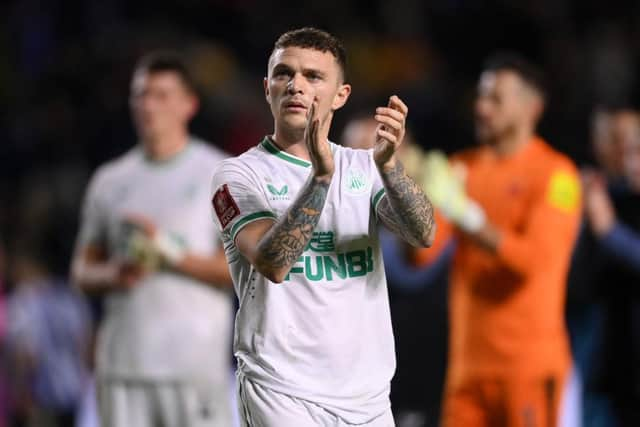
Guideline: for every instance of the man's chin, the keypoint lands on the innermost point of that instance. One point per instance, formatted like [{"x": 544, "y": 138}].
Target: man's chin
[
  {"x": 295, "y": 122},
  {"x": 149, "y": 134},
  {"x": 484, "y": 137}
]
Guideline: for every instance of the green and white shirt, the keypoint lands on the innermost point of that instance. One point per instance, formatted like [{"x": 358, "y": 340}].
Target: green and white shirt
[
  {"x": 169, "y": 326},
  {"x": 324, "y": 334}
]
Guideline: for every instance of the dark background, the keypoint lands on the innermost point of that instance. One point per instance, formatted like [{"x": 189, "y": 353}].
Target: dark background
[
  {"x": 66, "y": 66},
  {"x": 64, "y": 78}
]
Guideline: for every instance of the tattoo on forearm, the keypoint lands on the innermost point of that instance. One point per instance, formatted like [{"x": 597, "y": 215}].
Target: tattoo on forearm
[
  {"x": 288, "y": 238},
  {"x": 405, "y": 209}
]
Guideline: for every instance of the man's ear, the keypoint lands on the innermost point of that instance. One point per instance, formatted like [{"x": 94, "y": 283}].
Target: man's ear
[
  {"x": 537, "y": 107},
  {"x": 194, "y": 106},
  {"x": 267, "y": 95},
  {"x": 341, "y": 96}
]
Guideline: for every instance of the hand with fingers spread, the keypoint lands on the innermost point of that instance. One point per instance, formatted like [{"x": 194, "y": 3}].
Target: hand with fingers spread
[
  {"x": 316, "y": 138},
  {"x": 390, "y": 132}
]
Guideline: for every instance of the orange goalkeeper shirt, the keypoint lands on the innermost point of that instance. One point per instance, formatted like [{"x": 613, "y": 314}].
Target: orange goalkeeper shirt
[{"x": 507, "y": 307}]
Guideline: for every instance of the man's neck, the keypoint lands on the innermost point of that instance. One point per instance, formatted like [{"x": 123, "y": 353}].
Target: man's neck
[
  {"x": 292, "y": 142},
  {"x": 510, "y": 144},
  {"x": 165, "y": 147}
]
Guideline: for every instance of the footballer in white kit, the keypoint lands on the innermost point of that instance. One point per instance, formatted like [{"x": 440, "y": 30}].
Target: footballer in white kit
[
  {"x": 299, "y": 217},
  {"x": 147, "y": 243},
  {"x": 323, "y": 334},
  {"x": 169, "y": 328}
]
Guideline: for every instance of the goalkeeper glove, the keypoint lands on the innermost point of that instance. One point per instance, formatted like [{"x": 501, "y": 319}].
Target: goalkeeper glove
[
  {"x": 152, "y": 252},
  {"x": 446, "y": 191}
]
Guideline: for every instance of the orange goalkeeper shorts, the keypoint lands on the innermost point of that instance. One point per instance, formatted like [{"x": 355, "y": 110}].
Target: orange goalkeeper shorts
[{"x": 525, "y": 401}]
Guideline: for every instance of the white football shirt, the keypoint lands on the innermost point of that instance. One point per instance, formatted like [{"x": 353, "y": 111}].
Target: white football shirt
[
  {"x": 324, "y": 334},
  {"x": 169, "y": 326}
]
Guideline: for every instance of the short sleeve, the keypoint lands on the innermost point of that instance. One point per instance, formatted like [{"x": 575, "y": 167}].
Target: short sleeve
[
  {"x": 377, "y": 187},
  {"x": 236, "y": 199},
  {"x": 93, "y": 214}
]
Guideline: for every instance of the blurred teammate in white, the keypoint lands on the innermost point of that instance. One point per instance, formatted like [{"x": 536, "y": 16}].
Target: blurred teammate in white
[
  {"x": 148, "y": 243},
  {"x": 299, "y": 217}
]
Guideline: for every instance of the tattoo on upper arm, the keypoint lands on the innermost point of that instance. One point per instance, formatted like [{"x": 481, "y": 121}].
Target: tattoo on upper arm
[
  {"x": 288, "y": 238},
  {"x": 405, "y": 208}
]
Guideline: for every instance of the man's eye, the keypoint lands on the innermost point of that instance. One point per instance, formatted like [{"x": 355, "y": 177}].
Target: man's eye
[{"x": 282, "y": 73}]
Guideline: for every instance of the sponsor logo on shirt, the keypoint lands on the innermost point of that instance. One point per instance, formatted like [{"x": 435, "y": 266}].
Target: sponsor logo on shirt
[
  {"x": 356, "y": 181},
  {"x": 321, "y": 262},
  {"x": 224, "y": 205},
  {"x": 278, "y": 193}
]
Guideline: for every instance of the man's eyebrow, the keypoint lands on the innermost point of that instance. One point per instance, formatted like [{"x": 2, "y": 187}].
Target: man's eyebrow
[
  {"x": 314, "y": 71},
  {"x": 281, "y": 67}
]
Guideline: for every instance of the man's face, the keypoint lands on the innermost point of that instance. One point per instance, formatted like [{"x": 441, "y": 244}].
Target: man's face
[
  {"x": 602, "y": 143},
  {"x": 161, "y": 103},
  {"x": 626, "y": 138},
  {"x": 298, "y": 76},
  {"x": 632, "y": 165},
  {"x": 360, "y": 134},
  {"x": 503, "y": 105}
]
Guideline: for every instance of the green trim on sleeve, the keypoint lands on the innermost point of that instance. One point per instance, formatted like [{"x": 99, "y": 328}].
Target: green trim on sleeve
[
  {"x": 376, "y": 201},
  {"x": 247, "y": 219}
]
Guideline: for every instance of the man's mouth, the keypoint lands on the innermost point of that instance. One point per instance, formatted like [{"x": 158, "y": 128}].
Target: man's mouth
[{"x": 295, "y": 106}]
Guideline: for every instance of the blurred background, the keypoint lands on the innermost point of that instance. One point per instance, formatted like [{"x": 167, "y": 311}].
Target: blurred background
[{"x": 64, "y": 81}]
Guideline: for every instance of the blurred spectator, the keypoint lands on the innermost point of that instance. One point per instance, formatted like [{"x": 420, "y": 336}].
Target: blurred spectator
[
  {"x": 514, "y": 206},
  {"x": 603, "y": 308},
  {"x": 631, "y": 155},
  {"x": 585, "y": 305},
  {"x": 605, "y": 143},
  {"x": 49, "y": 331}
]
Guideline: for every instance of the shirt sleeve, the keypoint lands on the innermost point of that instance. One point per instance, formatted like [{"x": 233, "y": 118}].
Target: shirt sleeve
[
  {"x": 377, "y": 187},
  {"x": 548, "y": 236},
  {"x": 93, "y": 214},
  {"x": 237, "y": 199},
  {"x": 623, "y": 243}
]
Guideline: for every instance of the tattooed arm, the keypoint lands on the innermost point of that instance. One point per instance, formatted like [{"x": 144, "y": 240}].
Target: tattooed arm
[
  {"x": 405, "y": 209},
  {"x": 274, "y": 248}
]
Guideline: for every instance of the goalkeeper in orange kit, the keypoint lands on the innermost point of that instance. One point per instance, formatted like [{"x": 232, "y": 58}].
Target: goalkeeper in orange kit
[{"x": 513, "y": 205}]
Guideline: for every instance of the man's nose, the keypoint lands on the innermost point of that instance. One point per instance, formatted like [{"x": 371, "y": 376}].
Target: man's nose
[
  {"x": 295, "y": 85},
  {"x": 145, "y": 102},
  {"x": 482, "y": 109}
]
